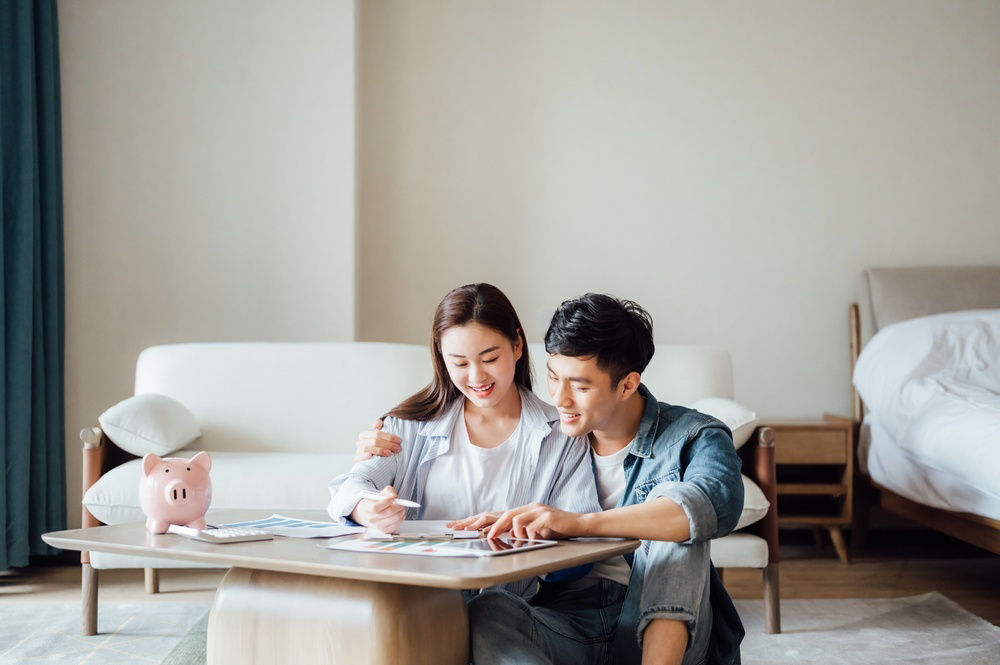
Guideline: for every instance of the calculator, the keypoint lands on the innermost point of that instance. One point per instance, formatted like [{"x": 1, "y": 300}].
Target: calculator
[{"x": 221, "y": 535}]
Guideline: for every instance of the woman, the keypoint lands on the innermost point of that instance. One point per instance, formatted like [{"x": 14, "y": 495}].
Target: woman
[{"x": 476, "y": 439}]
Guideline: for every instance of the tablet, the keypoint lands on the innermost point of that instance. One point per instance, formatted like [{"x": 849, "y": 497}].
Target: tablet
[{"x": 496, "y": 546}]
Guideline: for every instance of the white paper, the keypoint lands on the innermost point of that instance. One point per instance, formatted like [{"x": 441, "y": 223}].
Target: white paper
[
  {"x": 291, "y": 527},
  {"x": 429, "y": 547},
  {"x": 421, "y": 529}
]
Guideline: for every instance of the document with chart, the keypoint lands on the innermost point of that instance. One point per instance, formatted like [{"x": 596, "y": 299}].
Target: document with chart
[
  {"x": 291, "y": 527},
  {"x": 441, "y": 546}
]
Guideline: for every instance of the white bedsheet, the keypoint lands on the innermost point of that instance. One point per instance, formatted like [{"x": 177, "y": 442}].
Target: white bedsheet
[
  {"x": 923, "y": 480},
  {"x": 933, "y": 385}
]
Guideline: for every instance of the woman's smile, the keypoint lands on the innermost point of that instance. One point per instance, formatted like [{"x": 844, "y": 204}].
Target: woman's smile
[{"x": 483, "y": 390}]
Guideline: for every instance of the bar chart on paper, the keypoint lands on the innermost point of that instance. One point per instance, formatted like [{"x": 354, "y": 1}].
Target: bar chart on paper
[{"x": 291, "y": 527}]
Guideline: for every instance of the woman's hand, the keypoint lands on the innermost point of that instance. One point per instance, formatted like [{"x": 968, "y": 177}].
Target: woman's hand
[
  {"x": 383, "y": 514},
  {"x": 375, "y": 442},
  {"x": 474, "y": 523}
]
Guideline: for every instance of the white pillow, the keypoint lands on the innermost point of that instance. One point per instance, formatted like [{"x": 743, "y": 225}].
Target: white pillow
[
  {"x": 739, "y": 419},
  {"x": 150, "y": 423},
  {"x": 755, "y": 504}
]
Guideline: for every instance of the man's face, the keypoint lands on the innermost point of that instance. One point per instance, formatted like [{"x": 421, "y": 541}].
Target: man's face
[{"x": 583, "y": 393}]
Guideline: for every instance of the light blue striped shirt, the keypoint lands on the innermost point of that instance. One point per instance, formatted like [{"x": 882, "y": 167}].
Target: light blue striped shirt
[{"x": 548, "y": 467}]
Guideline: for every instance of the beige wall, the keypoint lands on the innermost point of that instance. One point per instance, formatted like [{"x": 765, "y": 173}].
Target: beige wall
[
  {"x": 208, "y": 155},
  {"x": 731, "y": 166}
]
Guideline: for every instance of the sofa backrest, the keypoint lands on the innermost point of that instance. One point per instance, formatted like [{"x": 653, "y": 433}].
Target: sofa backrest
[
  {"x": 294, "y": 397},
  {"x": 678, "y": 373},
  {"x": 316, "y": 397}
]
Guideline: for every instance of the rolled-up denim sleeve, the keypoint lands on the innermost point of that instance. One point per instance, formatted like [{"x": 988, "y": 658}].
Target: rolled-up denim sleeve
[
  {"x": 700, "y": 512},
  {"x": 710, "y": 490}
]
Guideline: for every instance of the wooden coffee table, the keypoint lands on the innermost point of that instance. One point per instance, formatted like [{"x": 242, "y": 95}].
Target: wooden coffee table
[{"x": 294, "y": 601}]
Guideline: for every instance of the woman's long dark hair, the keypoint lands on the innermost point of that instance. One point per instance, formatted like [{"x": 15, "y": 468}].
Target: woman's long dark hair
[{"x": 486, "y": 305}]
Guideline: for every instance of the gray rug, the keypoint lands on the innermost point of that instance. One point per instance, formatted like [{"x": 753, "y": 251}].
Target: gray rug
[
  {"x": 918, "y": 629},
  {"x": 127, "y": 634},
  {"x": 191, "y": 650},
  {"x": 878, "y": 631}
]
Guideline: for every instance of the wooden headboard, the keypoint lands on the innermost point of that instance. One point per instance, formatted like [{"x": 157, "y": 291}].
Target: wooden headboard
[{"x": 890, "y": 295}]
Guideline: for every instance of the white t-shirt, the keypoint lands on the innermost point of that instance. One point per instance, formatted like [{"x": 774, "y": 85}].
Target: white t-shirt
[
  {"x": 609, "y": 471},
  {"x": 468, "y": 480}
]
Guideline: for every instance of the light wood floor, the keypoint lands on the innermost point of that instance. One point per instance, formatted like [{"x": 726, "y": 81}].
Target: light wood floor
[
  {"x": 61, "y": 584},
  {"x": 898, "y": 564},
  {"x": 901, "y": 566}
]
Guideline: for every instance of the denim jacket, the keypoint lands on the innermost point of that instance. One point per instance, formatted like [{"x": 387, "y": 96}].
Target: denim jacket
[{"x": 689, "y": 458}]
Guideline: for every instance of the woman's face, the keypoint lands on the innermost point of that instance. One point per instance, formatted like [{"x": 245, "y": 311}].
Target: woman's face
[{"x": 480, "y": 362}]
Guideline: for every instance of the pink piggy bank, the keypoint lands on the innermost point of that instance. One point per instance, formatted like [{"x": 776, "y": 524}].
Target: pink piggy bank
[{"x": 174, "y": 490}]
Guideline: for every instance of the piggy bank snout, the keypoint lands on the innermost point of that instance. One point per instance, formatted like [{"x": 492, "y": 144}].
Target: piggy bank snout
[{"x": 178, "y": 492}]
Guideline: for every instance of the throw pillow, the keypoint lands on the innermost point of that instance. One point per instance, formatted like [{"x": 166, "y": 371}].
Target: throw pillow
[
  {"x": 150, "y": 423},
  {"x": 739, "y": 419},
  {"x": 755, "y": 504}
]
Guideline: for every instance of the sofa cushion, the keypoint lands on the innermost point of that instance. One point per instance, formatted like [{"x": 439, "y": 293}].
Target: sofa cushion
[
  {"x": 740, "y": 550},
  {"x": 740, "y": 420},
  {"x": 108, "y": 560},
  {"x": 275, "y": 482},
  {"x": 271, "y": 482},
  {"x": 755, "y": 504},
  {"x": 150, "y": 423}
]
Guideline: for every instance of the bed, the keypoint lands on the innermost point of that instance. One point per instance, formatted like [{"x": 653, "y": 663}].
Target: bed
[{"x": 926, "y": 393}]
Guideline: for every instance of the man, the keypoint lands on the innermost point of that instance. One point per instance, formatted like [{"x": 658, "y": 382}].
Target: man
[{"x": 665, "y": 474}]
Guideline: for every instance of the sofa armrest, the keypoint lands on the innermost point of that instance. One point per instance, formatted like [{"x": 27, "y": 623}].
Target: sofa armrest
[
  {"x": 758, "y": 464},
  {"x": 100, "y": 454},
  {"x": 95, "y": 447}
]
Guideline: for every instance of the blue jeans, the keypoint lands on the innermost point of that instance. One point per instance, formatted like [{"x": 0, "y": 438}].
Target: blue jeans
[
  {"x": 588, "y": 625},
  {"x": 669, "y": 581},
  {"x": 558, "y": 625}
]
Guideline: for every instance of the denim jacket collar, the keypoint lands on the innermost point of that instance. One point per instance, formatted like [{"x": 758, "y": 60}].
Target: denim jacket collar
[
  {"x": 536, "y": 415},
  {"x": 646, "y": 436}
]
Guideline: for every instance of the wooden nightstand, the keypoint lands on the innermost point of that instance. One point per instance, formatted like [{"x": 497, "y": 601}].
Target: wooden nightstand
[{"x": 815, "y": 469}]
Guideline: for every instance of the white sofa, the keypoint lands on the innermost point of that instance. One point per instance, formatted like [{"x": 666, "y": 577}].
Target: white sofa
[{"x": 286, "y": 415}]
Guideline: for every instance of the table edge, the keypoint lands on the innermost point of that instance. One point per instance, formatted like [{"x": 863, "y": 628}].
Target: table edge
[{"x": 411, "y": 578}]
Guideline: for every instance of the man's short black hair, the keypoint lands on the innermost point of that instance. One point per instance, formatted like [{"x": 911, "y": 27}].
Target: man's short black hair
[{"x": 618, "y": 333}]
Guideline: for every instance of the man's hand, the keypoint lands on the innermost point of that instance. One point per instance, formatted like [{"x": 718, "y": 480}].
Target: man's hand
[
  {"x": 536, "y": 520},
  {"x": 383, "y": 514},
  {"x": 474, "y": 523},
  {"x": 375, "y": 442}
]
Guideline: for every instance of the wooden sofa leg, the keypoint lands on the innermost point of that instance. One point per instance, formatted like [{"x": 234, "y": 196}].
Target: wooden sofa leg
[
  {"x": 89, "y": 588},
  {"x": 772, "y": 600},
  {"x": 152, "y": 577}
]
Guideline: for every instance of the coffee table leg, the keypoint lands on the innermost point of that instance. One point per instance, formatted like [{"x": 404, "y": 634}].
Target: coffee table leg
[{"x": 262, "y": 617}]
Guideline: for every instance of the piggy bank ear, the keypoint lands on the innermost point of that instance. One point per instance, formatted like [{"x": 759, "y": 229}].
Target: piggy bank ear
[
  {"x": 148, "y": 462},
  {"x": 203, "y": 460}
]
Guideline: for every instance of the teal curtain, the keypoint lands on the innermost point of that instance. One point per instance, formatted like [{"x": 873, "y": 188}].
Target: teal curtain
[{"x": 32, "y": 451}]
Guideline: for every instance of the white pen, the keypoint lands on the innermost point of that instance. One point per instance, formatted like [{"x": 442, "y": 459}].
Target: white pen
[{"x": 375, "y": 496}]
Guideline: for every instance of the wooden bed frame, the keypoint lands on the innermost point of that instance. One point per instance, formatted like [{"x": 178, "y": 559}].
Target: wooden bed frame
[{"x": 976, "y": 529}]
